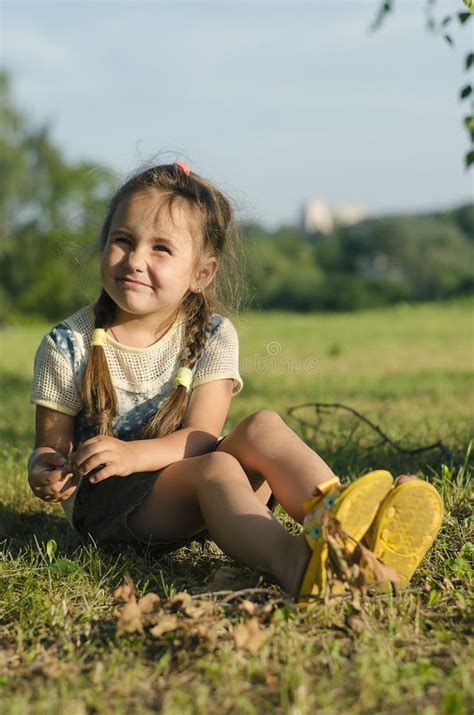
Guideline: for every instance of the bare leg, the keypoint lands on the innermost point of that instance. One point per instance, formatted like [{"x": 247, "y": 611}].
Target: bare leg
[
  {"x": 268, "y": 449},
  {"x": 265, "y": 445},
  {"x": 212, "y": 490}
]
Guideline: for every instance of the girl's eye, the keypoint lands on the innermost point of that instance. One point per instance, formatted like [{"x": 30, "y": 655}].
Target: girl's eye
[{"x": 125, "y": 239}]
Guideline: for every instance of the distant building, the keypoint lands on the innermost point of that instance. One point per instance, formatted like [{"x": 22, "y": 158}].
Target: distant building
[{"x": 318, "y": 216}]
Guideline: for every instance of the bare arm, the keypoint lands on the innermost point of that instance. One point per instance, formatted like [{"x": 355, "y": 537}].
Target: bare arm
[
  {"x": 48, "y": 474},
  {"x": 54, "y": 429},
  {"x": 202, "y": 424}
]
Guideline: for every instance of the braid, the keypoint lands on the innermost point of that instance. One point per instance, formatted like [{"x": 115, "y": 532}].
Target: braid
[
  {"x": 196, "y": 330},
  {"x": 98, "y": 394},
  {"x": 170, "y": 414}
]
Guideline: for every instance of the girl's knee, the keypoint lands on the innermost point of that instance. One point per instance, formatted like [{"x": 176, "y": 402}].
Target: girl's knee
[
  {"x": 217, "y": 462},
  {"x": 262, "y": 423},
  {"x": 219, "y": 466}
]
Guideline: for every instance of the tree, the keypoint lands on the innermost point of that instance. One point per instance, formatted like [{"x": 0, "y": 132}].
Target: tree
[
  {"x": 427, "y": 258},
  {"x": 51, "y": 210},
  {"x": 282, "y": 270}
]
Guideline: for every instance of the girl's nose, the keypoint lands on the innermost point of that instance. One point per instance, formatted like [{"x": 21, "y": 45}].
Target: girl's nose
[{"x": 136, "y": 260}]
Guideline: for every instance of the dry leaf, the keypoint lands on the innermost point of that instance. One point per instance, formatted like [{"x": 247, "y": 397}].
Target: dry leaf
[
  {"x": 272, "y": 680},
  {"x": 180, "y": 601},
  {"x": 198, "y": 609},
  {"x": 130, "y": 618},
  {"x": 149, "y": 603},
  {"x": 167, "y": 623},
  {"x": 126, "y": 590},
  {"x": 248, "y": 606},
  {"x": 373, "y": 567},
  {"x": 249, "y": 636},
  {"x": 211, "y": 630},
  {"x": 356, "y": 594},
  {"x": 48, "y": 663},
  {"x": 344, "y": 575},
  {"x": 356, "y": 624}
]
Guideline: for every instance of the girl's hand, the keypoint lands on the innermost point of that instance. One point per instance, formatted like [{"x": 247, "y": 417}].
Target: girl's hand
[
  {"x": 50, "y": 476},
  {"x": 108, "y": 456}
]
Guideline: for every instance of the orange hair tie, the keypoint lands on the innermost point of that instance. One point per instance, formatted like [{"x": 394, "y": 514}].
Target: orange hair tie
[{"x": 183, "y": 166}]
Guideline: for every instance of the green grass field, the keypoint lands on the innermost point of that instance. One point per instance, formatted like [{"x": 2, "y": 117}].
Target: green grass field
[{"x": 407, "y": 369}]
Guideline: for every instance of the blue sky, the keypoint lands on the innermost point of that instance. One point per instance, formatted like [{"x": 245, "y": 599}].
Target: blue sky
[{"x": 277, "y": 102}]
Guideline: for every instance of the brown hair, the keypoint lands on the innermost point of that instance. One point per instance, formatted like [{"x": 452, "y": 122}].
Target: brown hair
[{"x": 220, "y": 237}]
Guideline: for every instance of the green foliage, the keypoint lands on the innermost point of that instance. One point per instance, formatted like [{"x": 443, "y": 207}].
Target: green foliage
[
  {"x": 425, "y": 257},
  {"x": 284, "y": 272},
  {"x": 377, "y": 262},
  {"x": 51, "y": 210}
]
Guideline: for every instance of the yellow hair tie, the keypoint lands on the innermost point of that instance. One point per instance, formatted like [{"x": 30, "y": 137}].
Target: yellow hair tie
[
  {"x": 98, "y": 337},
  {"x": 184, "y": 377}
]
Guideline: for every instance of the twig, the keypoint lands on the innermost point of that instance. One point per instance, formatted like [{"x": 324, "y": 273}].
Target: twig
[
  {"x": 232, "y": 595},
  {"x": 321, "y": 406}
]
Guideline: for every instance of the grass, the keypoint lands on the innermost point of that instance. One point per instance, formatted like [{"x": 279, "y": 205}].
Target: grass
[{"x": 409, "y": 370}]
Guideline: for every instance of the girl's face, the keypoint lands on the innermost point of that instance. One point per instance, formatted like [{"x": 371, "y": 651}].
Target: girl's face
[{"x": 148, "y": 262}]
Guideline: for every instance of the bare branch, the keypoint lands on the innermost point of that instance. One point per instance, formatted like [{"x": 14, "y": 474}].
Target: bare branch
[{"x": 321, "y": 407}]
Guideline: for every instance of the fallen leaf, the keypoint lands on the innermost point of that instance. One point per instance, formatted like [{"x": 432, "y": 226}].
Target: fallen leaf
[
  {"x": 344, "y": 575},
  {"x": 49, "y": 664},
  {"x": 355, "y": 624},
  {"x": 248, "y": 606},
  {"x": 272, "y": 680},
  {"x": 269, "y": 607},
  {"x": 211, "y": 630},
  {"x": 375, "y": 571},
  {"x": 250, "y": 636},
  {"x": 167, "y": 623},
  {"x": 180, "y": 601},
  {"x": 126, "y": 590},
  {"x": 198, "y": 609},
  {"x": 149, "y": 603},
  {"x": 130, "y": 618}
]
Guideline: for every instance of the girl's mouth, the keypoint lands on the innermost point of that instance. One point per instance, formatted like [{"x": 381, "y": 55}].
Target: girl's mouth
[{"x": 131, "y": 283}]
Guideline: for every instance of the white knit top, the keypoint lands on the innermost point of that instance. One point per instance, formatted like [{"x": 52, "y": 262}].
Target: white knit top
[{"x": 142, "y": 377}]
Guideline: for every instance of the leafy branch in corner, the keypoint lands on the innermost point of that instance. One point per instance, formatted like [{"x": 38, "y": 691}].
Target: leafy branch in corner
[{"x": 467, "y": 90}]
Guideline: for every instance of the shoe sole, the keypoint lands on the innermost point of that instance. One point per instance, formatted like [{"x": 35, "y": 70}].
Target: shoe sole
[{"x": 405, "y": 527}]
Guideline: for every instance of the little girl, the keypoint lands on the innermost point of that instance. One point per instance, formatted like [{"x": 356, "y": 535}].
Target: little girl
[{"x": 133, "y": 391}]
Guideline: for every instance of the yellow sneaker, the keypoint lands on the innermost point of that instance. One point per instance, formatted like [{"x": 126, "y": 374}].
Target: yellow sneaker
[
  {"x": 405, "y": 527},
  {"x": 354, "y": 507}
]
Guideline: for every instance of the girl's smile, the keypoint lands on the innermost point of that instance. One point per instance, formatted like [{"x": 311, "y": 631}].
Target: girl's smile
[{"x": 133, "y": 284}]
